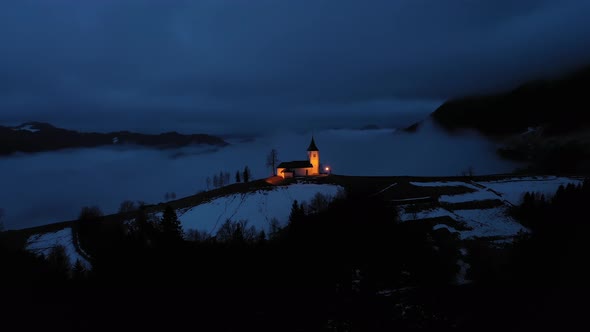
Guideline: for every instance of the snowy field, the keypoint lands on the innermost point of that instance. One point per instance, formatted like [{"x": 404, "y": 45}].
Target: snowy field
[
  {"x": 258, "y": 207},
  {"x": 42, "y": 244},
  {"x": 513, "y": 190},
  {"x": 43, "y": 188},
  {"x": 489, "y": 222}
]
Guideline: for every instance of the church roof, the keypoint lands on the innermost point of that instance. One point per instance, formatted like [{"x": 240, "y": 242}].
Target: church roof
[
  {"x": 295, "y": 164},
  {"x": 312, "y": 146}
]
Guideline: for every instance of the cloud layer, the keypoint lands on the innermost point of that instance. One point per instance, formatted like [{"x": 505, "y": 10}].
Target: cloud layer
[{"x": 221, "y": 64}]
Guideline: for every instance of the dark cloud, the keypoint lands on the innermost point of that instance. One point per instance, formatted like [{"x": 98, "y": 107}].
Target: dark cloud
[{"x": 154, "y": 64}]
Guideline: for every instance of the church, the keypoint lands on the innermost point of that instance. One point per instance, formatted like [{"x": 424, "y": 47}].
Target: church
[{"x": 302, "y": 167}]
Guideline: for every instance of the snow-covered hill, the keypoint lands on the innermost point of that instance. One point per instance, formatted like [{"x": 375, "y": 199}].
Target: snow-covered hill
[
  {"x": 491, "y": 221},
  {"x": 258, "y": 207},
  {"x": 42, "y": 244}
]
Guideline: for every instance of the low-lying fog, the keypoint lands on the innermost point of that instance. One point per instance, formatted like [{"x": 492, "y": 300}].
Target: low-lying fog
[{"x": 47, "y": 187}]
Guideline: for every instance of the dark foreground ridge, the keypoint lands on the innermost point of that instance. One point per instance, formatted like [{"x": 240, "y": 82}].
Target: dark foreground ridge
[{"x": 351, "y": 264}]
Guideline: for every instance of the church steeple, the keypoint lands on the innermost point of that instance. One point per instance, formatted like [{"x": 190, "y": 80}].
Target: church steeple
[
  {"x": 312, "y": 146},
  {"x": 313, "y": 153}
]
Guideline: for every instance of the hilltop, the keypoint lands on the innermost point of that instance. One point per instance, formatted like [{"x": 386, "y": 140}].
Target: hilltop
[{"x": 38, "y": 137}]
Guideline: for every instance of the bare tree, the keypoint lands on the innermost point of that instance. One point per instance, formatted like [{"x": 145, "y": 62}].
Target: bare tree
[
  {"x": 319, "y": 202},
  {"x": 208, "y": 181},
  {"x": 127, "y": 206},
  {"x": 236, "y": 231},
  {"x": 90, "y": 213},
  {"x": 272, "y": 159}
]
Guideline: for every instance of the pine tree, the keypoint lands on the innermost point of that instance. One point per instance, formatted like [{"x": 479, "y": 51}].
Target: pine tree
[
  {"x": 246, "y": 174},
  {"x": 170, "y": 226},
  {"x": 238, "y": 179},
  {"x": 59, "y": 261},
  {"x": 143, "y": 228},
  {"x": 297, "y": 212}
]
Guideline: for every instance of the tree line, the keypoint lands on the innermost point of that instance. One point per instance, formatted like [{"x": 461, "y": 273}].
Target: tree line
[{"x": 224, "y": 178}]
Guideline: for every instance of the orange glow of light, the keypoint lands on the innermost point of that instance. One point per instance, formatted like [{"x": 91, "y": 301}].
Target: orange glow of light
[{"x": 327, "y": 168}]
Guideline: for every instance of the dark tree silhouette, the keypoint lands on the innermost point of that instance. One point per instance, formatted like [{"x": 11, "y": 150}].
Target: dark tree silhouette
[
  {"x": 59, "y": 262},
  {"x": 272, "y": 159},
  {"x": 78, "y": 271},
  {"x": 319, "y": 202},
  {"x": 297, "y": 212},
  {"x": 127, "y": 206},
  {"x": 143, "y": 227},
  {"x": 170, "y": 225},
  {"x": 274, "y": 229},
  {"x": 1, "y": 220},
  {"x": 89, "y": 225},
  {"x": 246, "y": 174},
  {"x": 90, "y": 214},
  {"x": 238, "y": 178},
  {"x": 236, "y": 232}
]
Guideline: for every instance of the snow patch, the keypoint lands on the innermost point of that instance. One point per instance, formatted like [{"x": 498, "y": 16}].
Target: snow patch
[
  {"x": 410, "y": 199},
  {"x": 488, "y": 222},
  {"x": 444, "y": 184},
  {"x": 258, "y": 207},
  {"x": 479, "y": 195},
  {"x": 405, "y": 215},
  {"x": 28, "y": 128},
  {"x": 440, "y": 226},
  {"x": 42, "y": 244}
]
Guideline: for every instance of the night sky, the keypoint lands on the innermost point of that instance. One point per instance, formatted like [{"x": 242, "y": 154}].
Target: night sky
[{"x": 231, "y": 65}]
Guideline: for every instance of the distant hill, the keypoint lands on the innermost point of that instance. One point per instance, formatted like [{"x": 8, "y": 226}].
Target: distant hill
[
  {"x": 542, "y": 123},
  {"x": 558, "y": 105},
  {"x": 38, "y": 137}
]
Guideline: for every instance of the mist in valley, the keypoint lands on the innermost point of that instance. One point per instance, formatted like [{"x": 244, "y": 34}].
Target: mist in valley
[{"x": 47, "y": 187}]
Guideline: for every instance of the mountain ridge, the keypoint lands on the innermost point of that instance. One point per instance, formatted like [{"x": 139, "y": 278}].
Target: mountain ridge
[
  {"x": 556, "y": 104},
  {"x": 32, "y": 137}
]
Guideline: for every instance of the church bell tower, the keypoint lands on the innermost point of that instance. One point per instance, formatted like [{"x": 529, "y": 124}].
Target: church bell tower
[{"x": 313, "y": 153}]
